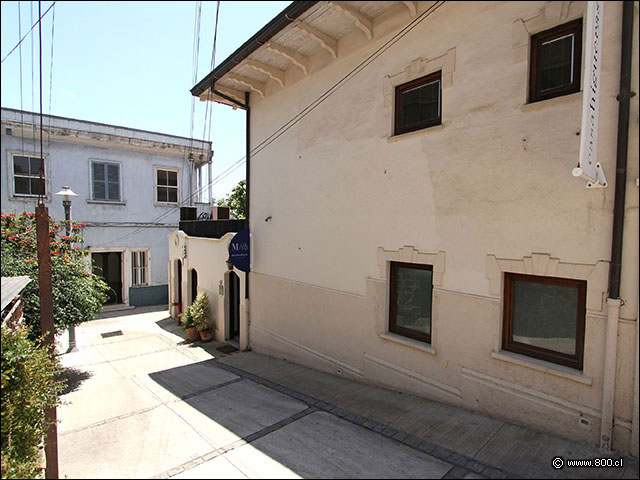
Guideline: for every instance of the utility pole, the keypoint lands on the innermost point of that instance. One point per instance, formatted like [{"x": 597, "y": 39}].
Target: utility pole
[{"x": 46, "y": 291}]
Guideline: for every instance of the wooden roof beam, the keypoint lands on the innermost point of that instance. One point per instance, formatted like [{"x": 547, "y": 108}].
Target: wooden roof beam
[
  {"x": 274, "y": 73},
  {"x": 254, "y": 85},
  {"x": 363, "y": 22},
  {"x": 296, "y": 58},
  {"x": 328, "y": 43},
  {"x": 413, "y": 8}
]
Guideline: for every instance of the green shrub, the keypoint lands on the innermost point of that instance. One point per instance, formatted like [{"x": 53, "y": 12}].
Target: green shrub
[
  {"x": 29, "y": 387},
  {"x": 186, "y": 319},
  {"x": 200, "y": 312},
  {"x": 77, "y": 293}
]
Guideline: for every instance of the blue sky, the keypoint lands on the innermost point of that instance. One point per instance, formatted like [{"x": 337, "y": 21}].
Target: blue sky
[{"x": 130, "y": 64}]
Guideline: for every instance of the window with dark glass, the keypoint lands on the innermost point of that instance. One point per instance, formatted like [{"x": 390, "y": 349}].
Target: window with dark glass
[
  {"x": 105, "y": 178},
  {"x": 410, "y": 300},
  {"x": 556, "y": 56},
  {"x": 139, "y": 268},
  {"x": 418, "y": 104},
  {"x": 544, "y": 318},
  {"x": 26, "y": 175},
  {"x": 167, "y": 185}
]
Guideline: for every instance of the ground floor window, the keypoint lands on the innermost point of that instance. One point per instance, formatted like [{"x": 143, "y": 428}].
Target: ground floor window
[
  {"x": 139, "y": 268},
  {"x": 544, "y": 317},
  {"x": 411, "y": 287}
]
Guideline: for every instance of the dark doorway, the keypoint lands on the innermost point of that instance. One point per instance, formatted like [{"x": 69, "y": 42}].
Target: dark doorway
[
  {"x": 179, "y": 286},
  {"x": 109, "y": 266},
  {"x": 234, "y": 305},
  {"x": 194, "y": 285}
]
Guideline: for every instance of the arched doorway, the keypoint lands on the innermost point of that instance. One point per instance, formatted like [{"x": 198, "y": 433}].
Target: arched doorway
[
  {"x": 194, "y": 285},
  {"x": 179, "y": 287},
  {"x": 233, "y": 299}
]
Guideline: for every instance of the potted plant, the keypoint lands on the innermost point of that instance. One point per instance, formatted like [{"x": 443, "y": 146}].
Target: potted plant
[
  {"x": 188, "y": 325},
  {"x": 200, "y": 313}
]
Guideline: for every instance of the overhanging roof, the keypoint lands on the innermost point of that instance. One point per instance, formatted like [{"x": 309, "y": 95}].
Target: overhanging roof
[
  {"x": 11, "y": 288},
  {"x": 282, "y": 20},
  {"x": 280, "y": 52}
]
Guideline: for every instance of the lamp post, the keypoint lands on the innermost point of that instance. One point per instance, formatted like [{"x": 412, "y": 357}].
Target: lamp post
[{"x": 66, "y": 194}]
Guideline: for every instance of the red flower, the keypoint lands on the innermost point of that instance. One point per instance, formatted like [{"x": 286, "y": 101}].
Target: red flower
[
  {"x": 12, "y": 237},
  {"x": 55, "y": 253},
  {"x": 81, "y": 224}
]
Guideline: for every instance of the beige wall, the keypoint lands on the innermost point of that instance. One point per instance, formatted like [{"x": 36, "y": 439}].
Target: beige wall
[
  {"x": 489, "y": 191},
  {"x": 208, "y": 257}
]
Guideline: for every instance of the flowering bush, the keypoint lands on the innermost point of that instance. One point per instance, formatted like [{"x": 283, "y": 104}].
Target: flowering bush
[
  {"x": 78, "y": 294},
  {"x": 30, "y": 385}
]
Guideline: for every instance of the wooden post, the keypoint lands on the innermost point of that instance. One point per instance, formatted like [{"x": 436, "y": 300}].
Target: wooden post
[{"x": 46, "y": 328}]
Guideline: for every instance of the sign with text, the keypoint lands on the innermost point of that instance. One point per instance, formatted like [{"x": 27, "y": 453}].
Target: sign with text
[
  {"x": 588, "y": 166},
  {"x": 239, "y": 250}
]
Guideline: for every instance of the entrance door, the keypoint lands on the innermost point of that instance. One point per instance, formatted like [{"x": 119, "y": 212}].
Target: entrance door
[
  {"x": 180, "y": 310},
  {"x": 234, "y": 305},
  {"x": 109, "y": 266}
]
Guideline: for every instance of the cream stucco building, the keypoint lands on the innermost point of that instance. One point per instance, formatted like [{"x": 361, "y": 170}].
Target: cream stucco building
[{"x": 414, "y": 218}]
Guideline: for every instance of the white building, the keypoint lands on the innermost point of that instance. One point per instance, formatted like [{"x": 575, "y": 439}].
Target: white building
[
  {"x": 130, "y": 185},
  {"x": 415, "y": 221}
]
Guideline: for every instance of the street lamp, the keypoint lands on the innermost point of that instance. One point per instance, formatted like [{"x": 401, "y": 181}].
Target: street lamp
[{"x": 66, "y": 194}]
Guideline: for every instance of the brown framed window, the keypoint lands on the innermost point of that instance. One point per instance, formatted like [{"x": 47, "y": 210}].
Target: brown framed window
[
  {"x": 26, "y": 176},
  {"x": 556, "y": 59},
  {"x": 411, "y": 287},
  {"x": 544, "y": 318},
  {"x": 167, "y": 185},
  {"x": 418, "y": 104}
]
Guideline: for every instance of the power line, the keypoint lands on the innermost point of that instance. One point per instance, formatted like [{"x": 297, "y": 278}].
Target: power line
[
  {"x": 25, "y": 35},
  {"x": 294, "y": 120}
]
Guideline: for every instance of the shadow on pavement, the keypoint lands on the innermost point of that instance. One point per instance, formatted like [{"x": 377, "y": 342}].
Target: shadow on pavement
[{"x": 73, "y": 378}]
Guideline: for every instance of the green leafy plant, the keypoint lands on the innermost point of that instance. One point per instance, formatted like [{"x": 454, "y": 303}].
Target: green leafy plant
[
  {"x": 78, "y": 294},
  {"x": 236, "y": 201},
  {"x": 186, "y": 319},
  {"x": 200, "y": 312},
  {"x": 30, "y": 385}
]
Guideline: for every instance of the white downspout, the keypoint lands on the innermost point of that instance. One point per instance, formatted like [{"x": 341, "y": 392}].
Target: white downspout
[{"x": 609, "y": 373}]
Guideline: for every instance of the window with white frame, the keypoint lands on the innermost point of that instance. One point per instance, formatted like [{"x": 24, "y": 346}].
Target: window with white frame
[
  {"x": 26, "y": 175},
  {"x": 105, "y": 181},
  {"x": 139, "y": 268},
  {"x": 166, "y": 185}
]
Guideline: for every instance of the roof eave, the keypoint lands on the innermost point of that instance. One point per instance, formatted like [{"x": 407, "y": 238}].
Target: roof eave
[{"x": 281, "y": 21}]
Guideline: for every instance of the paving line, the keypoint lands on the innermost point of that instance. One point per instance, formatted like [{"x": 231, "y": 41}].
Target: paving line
[{"x": 236, "y": 444}]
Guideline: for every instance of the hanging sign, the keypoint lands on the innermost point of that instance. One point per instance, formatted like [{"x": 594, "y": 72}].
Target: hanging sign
[
  {"x": 588, "y": 166},
  {"x": 239, "y": 250}
]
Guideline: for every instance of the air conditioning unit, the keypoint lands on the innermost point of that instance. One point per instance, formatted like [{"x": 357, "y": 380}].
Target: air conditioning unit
[
  {"x": 188, "y": 213},
  {"x": 220, "y": 213}
]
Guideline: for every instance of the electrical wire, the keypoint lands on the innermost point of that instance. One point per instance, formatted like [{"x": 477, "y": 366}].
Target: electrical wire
[
  {"x": 25, "y": 35},
  {"x": 53, "y": 21},
  {"x": 294, "y": 120}
]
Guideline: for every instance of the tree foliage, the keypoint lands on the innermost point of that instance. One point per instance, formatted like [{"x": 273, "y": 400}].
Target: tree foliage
[
  {"x": 78, "y": 294},
  {"x": 236, "y": 200},
  {"x": 29, "y": 387}
]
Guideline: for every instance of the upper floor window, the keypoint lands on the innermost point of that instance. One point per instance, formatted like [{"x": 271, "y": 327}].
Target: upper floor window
[
  {"x": 105, "y": 181},
  {"x": 410, "y": 300},
  {"x": 418, "y": 104},
  {"x": 556, "y": 56},
  {"x": 166, "y": 185},
  {"x": 26, "y": 176},
  {"x": 544, "y": 318},
  {"x": 139, "y": 268}
]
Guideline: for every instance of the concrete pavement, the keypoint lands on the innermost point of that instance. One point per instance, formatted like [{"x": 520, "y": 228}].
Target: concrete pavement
[{"x": 144, "y": 403}]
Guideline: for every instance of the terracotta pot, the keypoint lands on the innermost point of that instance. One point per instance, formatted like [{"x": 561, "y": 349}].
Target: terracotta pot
[
  {"x": 192, "y": 334},
  {"x": 206, "y": 335}
]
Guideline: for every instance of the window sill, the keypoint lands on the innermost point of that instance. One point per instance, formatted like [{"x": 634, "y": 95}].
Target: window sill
[
  {"x": 105, "y": 202},
  {"x": 542, "y": 366},
  {"x": 408, "y": 342},
  {"x": 165, "y": 204},
  {"x": 17, "y": 198},
  {"x": 552, "y": 102},
  {"x": 417, "y": 133}
]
